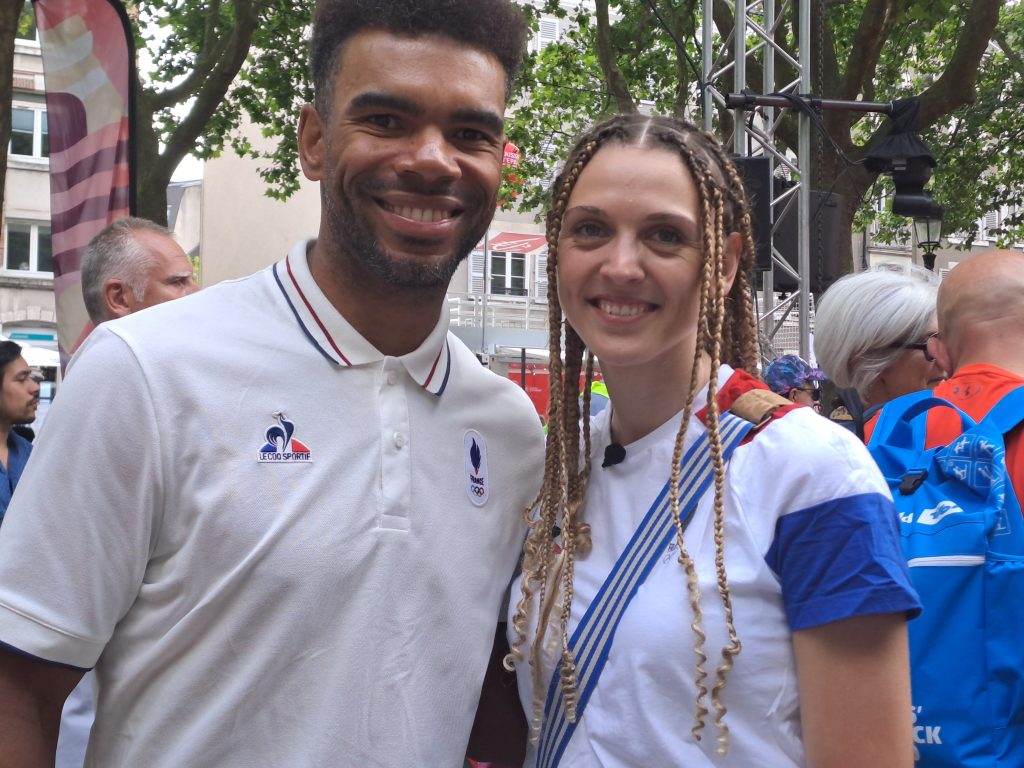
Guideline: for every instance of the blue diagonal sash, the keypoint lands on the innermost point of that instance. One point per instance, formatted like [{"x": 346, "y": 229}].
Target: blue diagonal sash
[{"x": 592, "y": 640}]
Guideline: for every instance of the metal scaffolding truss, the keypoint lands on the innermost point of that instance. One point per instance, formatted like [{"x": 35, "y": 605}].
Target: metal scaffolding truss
[{"x": 755, "y": 134}]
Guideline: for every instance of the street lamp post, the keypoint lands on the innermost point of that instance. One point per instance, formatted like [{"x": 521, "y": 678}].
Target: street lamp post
[{"x": 928, "y": 229}]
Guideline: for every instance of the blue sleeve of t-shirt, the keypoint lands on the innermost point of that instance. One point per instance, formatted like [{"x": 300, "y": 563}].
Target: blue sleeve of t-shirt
[{"x": 840, "y": 559}]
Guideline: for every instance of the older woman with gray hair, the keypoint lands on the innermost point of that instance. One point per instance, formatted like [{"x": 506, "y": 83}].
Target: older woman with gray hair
[{"x": 871, "y": 338}]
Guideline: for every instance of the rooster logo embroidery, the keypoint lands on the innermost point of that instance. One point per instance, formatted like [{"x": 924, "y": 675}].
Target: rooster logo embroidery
[
  {"x": 477, "y": 486},
  {"x": 281, "y": 445}
]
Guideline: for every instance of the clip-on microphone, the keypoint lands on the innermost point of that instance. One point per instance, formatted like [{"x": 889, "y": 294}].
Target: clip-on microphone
[{"x": 614, "y": 454}]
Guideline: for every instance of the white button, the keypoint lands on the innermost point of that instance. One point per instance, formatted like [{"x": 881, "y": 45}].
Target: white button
[
  {"x": 399, "y": 439},
  {"x": 392, "y": 377}
]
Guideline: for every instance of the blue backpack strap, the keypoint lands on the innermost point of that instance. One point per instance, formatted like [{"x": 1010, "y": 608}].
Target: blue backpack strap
[
  {"x": 894, "y": 425},
  {"x": 1007, "y": 413},
  {"x": 592, "y": 640},
  {"x": 898, "y": 440},
  {"x": 1003, "y": 417}
]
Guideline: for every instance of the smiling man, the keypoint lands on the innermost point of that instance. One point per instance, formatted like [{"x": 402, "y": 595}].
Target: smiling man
[{"x": 290, "y": 505}]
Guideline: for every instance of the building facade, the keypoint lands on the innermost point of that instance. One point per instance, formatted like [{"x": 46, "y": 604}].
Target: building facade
[{"x": 26, "y": 270}]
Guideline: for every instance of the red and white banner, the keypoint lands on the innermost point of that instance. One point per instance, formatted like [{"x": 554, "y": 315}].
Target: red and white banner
[{"x": 89, "y": 67}]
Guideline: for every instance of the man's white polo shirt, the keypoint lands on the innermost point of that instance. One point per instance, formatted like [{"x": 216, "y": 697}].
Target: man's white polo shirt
[{"x": 282, "y": 547}]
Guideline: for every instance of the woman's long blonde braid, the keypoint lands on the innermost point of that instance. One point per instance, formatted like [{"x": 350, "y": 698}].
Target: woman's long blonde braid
[
  {"x": 724, "y": 334},
  {"x": 564, "y": 484}
]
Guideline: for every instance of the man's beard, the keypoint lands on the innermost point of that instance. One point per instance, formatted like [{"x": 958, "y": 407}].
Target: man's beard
[
  {"x": 352, "y": 235},
  {"x": 24, "y": 418}
]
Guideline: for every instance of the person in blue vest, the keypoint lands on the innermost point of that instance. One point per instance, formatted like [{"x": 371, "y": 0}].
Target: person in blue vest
[
  {"x": 713, "y": 574},
  {"x": 19, "y": 400}
]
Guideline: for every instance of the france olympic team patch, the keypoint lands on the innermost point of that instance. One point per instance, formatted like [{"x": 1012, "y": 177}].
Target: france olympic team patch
[{"x": 477, "y": 484}]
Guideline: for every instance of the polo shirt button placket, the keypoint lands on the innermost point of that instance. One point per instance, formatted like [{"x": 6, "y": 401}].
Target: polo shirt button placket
[{"x": 395, "y": 438}]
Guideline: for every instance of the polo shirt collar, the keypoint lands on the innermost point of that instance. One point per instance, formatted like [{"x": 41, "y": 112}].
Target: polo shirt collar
[{"x": 335, "y": 339}]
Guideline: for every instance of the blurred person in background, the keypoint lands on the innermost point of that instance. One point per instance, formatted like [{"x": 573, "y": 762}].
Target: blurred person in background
[
  {"x": 871, "y": 339},
  {"x": 131, "y": 265},
  {"x": 19, "y": 398},
  {"x": 795, "y": 379},
  {"x": 981, "y": 344}
]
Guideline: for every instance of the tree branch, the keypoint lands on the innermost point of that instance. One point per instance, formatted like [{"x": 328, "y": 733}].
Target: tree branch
[
  {"x": 1012, "y": 56},
  {"x": 683, "y": 21},
  {"x": 211, "y": 49},
  {"x": 215, "y": 87},
  {"x": 617, "y": 85},
  {"x": 876, "y": 23},
  {"x": 956, "y": 86}
]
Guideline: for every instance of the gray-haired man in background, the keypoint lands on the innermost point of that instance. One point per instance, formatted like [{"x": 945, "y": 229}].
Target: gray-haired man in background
[{"x": 133, "y": 264}]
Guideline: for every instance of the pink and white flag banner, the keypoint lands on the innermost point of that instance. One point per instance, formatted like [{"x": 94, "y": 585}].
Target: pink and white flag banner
[{"x": 89, "y": 70}]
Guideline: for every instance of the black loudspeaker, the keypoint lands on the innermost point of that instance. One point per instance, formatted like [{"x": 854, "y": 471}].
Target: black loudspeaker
[
  {"x": 756, "y": 173},
  {"x": 824, "y": 259},
  {"x": 757, "y": 180}
]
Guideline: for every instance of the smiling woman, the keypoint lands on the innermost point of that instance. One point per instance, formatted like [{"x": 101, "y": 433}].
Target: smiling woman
[
  {"x": 636, "y": 618},
  {"x": 607, "y": 249}
]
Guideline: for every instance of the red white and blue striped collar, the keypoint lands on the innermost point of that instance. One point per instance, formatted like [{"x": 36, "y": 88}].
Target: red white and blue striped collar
[{"x": 336, "y": 340}]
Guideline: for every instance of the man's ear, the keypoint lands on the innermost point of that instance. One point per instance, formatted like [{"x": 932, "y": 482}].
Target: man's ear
[
  {"x": 940, "y": 349},
  {"x": 311, "y": 143},
  {"x": 115, "y": 297},
  {"x": 731, "y": 263}
]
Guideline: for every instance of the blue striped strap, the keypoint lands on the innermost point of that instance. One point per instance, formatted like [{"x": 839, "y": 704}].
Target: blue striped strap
[{"x": 592, "y": 640}]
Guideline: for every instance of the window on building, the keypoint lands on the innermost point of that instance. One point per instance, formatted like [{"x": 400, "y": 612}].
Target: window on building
[
  {"x": 28, "y": 247},
  {"x": 27, "y": 24},
  {"x": 508, "y": 274},
  {"x": 540, "y": 277},
  {"x": 30, "y": 134},
  {"x": 989, "y": 224},
  {"x": 547, "y": 33}
]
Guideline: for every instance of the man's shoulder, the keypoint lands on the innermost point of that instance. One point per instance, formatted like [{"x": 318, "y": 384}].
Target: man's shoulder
[
  {"x": 476, "y": 375},
  {"x": 201, "y": 316},
  {"x": 976, "y": 388},
  {"x": 16, "y": 437},
  {"x": 226, "y": 295},
  {"x": 984, "y": 373},
  {"x": 497, "y": 399},
  {"x": 211, "y": 323}
]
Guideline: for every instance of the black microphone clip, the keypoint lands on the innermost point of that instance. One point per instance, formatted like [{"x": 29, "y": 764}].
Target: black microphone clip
[{"x": 614, "y": 454}]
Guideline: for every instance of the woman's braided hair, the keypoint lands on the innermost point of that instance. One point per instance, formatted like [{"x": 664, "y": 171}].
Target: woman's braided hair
[{"x": 726, "y": 333}]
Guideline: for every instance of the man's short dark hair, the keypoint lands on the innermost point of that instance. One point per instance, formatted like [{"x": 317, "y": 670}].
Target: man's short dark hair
[
  {"x": 9, "y": 352},
  {"x": 497, "y": 27}
]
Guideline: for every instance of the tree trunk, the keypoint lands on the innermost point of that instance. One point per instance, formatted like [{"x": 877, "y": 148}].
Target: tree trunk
[
  {"x": 151, "y": 176},
  {"x": 617, "y": 85},
  {"x": 218, "y": 62}
]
